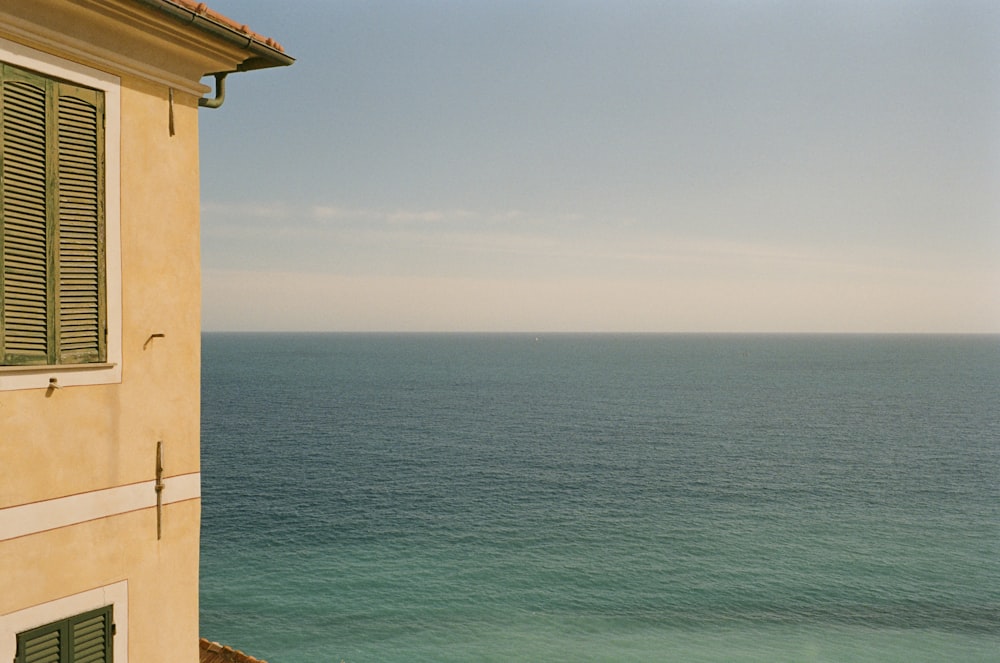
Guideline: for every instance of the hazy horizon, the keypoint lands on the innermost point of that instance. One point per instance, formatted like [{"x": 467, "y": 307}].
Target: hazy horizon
[
  {"x": 648, "y": 167},
  {"x": 549, "y": 334}
]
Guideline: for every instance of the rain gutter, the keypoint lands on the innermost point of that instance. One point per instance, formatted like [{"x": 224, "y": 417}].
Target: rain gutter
[{"x": 262, "y": 52}]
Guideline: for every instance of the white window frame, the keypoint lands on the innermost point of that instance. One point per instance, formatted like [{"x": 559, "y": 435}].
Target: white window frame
[
  {"x": 45, "y": 613},
  {"x": 110, "y": 372}
]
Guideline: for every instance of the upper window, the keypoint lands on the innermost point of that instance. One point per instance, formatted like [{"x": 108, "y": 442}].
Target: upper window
[
  {"x": 52, "y": 291},
  {"x": 60, "y": 221}
]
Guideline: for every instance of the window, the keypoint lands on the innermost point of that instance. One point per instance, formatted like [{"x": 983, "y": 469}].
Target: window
[
  {"x": 72, "y": 350},
  {"x": 22, "y": 625},
  {"x": 52, "y": 257},
  {"x": 85, "y": 638}
]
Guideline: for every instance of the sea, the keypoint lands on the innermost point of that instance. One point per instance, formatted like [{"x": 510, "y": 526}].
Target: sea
[{"x": 601, "y": 497}]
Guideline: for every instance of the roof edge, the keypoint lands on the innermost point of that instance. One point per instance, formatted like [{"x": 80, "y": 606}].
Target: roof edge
[
  {"x": 213, "y": 652},
  {"x": 264, "y": 52}
]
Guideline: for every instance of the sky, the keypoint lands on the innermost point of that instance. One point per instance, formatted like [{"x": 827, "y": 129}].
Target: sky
[{"x": 608, "y": 166}]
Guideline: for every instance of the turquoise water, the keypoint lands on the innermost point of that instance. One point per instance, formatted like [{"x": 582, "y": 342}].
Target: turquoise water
[{"x": 601, "y": 497}]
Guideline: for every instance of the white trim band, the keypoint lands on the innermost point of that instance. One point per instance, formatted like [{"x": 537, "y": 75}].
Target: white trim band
[{"x": 25, "y": 519}]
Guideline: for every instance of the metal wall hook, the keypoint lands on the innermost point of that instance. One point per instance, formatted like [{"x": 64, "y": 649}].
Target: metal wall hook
[{"x": 150, "y": 339}]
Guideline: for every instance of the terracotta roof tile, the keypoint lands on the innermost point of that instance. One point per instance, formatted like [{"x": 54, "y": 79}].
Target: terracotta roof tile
[
  {"x": 202, "y": 9},
  {"x": 213, "y": 652}
]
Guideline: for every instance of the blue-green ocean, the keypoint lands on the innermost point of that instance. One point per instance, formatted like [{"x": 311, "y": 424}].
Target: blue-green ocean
[{"x": 560, "y": 497}]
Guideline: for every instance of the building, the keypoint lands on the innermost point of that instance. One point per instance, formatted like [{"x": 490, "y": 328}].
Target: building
[{"x": 100, "y": 321}]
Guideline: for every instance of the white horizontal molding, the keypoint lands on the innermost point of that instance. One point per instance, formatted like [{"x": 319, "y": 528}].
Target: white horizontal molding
[{"x": 26, "y": 519}]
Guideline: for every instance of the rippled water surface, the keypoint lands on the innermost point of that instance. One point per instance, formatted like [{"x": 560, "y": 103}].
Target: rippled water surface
[{"x": 601, "y": 498}]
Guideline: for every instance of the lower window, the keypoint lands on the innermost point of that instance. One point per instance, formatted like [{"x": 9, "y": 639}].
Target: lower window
[{"x": 85, "y": 638}]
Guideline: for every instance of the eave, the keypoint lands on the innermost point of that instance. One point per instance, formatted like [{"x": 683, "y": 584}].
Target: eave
[
  {"x": 170, "y": 42},
  {"x": 263, "y": 51}
]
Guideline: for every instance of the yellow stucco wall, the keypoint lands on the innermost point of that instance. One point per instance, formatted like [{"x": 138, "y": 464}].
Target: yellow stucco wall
[
  {"x": 85, "y": 438},
  {"x": 162, "y": 575},
  {"x": 80, "y": 439}
]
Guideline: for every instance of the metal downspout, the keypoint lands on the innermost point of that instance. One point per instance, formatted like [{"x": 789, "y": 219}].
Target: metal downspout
[{"x": 220, "y": 92}]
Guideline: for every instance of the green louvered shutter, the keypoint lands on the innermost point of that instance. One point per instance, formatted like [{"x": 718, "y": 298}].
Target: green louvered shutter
[
  {"x": 24, "y": 178},
  {"x": 43, "y": 645},
  {"x": 86, "y": 638},
  {"x": 80, "y": 263},
  {"x": 90, "y": 637},
  {"x": 52, "y": 281}
]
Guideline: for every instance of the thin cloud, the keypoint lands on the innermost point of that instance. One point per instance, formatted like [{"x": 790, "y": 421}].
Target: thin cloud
[{"x": 269, "y": 210}]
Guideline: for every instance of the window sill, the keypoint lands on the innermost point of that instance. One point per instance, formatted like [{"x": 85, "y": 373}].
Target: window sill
[
  {"x": 59, "y": 375},
  {"x": 54, "y": 368}
]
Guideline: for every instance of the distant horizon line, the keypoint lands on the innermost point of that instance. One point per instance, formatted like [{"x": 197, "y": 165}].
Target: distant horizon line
[{"x": 388, "y": 332}]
